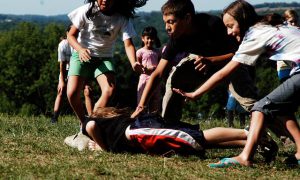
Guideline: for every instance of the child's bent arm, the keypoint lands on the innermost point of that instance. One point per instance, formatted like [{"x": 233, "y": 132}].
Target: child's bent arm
[
  {"x": 151, "y": 84},
  {"x": 201, "y": 62},
  {"x": 84, "y": 54},
  {"x": 72, "y": 38},
  {"x": 221, "y": 58}
]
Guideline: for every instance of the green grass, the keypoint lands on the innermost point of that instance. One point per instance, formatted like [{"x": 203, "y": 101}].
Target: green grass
[{"x": 33, "y": 148}]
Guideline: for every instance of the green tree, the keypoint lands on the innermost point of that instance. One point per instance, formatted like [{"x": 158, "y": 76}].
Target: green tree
[{"x": 24, "y": 54}]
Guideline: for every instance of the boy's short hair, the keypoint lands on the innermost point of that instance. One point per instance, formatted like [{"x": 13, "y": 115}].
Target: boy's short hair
[{"x": 178, "y": 8}]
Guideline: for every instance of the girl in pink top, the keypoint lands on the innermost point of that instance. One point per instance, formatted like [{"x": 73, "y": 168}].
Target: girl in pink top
[{"x": 149, "y": 57}]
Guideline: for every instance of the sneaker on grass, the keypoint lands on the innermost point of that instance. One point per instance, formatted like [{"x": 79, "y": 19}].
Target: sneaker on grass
[
  {"x": 79, "y": 141},
  {"x": 53, "y": 120}
]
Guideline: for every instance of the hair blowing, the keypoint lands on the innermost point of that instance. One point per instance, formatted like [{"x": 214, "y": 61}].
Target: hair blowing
[
  {"x": 124, "y": 7},
  {"x": 244, "y": 13}
]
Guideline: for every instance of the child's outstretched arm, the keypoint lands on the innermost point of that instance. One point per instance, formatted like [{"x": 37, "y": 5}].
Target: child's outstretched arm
[
  {"x": 151, "y": 84},
  {"x": 211, "y": 82},
  {"x": 130, "y": 51}
]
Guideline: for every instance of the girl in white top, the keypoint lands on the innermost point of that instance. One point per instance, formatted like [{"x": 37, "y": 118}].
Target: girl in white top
[
  {"x": 280, "y": 43},
  {"x": 96, "y": 26}
]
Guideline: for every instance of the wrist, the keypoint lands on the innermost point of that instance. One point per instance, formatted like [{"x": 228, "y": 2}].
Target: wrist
[
  {"x": 81, "y": 50},
  {"x": 195, "y": 95},
  {"x": 134, "y": 64},
  {"x": 140, "y": 107}
]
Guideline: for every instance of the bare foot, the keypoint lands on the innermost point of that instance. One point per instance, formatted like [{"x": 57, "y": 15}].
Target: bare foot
[
  {"x": 297, "y": 155},
  {"x": 93, "y": 146},
  {"x": 243, "y": 162}
]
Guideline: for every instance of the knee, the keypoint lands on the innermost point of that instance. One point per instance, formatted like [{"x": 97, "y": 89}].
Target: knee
[
  {"x": 72, "y": 93},
  {"x": 108, "y": 91},
  {"x": 90, "y": 127}
]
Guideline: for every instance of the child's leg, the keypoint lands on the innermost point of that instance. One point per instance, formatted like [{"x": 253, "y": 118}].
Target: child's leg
[
  {"x": 107, "y": 84},
  {"x": 281, "y": 101},
  {"x": 225, "y": 137},
  {"x": 75, "y": 85},
  {"x": 88, "y": 98},
  {"x": 256, "y": 128},
  {"x": 230, "y": 117},
  {"x": 279, "y": 128},
  {"x": 58, "y": 103},
  {"x": 293, "y": 128},
  {"x": 94, "y": 132}
]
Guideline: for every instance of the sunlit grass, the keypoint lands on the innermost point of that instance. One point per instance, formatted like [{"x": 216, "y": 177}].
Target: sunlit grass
[{"x": 33, "y": 148}]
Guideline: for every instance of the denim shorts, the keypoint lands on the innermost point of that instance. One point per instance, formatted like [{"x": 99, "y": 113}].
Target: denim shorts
[{"x": 282, "y": 101}]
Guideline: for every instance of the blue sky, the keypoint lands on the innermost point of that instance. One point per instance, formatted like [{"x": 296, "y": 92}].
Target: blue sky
[{"x": 57, "y": 7}]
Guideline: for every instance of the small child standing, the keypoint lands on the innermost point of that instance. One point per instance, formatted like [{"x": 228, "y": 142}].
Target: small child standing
[
  {"x": 283, "y": 69},
  {"x": 149, "y": 57}
]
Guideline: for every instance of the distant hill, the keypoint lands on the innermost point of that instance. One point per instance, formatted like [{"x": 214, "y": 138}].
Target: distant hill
[
  {"x": 278, "y": 4},
  {"x": 8, "y": 21},
  {"x": 279, "y": 7}
]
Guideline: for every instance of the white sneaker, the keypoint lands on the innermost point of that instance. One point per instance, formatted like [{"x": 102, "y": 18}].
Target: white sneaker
[{"x": 79, "y": 141}]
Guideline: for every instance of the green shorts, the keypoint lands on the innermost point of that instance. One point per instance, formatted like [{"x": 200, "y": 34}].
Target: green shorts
[{"x": 91, "y": 69}]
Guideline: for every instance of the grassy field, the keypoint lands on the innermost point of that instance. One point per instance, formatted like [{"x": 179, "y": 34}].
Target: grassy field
[{"x": 33, "y": 148}]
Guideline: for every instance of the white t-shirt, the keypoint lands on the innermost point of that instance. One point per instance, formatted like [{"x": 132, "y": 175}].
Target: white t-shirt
[
  {"x": 100, "y": 33},
  {"x": 280, "y": 43},
  {"x": 64, "y": 52}
]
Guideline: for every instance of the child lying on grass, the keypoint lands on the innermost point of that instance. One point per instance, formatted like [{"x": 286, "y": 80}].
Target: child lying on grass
[{"x": 112, "y": 129}]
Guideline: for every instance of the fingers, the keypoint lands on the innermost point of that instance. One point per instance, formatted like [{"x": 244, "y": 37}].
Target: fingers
[
  {"x": 201, "y": 64},
  {"x": 200, "y": 67},
  {"x": 133, "y": 115},
  {"x": 179, "y": 91},
  {"x": 84, "y": 55},
  {"x": 188, "y": 95},
  {"x": 137, "y": 111},
  {"x": 182, "y": 93},
  {"x": 137, "y": 67}
]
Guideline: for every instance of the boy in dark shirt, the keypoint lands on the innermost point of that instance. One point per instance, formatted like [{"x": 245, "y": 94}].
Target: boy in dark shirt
[{"x": 201, "y": 35}]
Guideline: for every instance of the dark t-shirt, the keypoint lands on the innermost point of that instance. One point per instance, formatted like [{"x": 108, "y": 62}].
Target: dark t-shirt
[
  {"x": 209, "y": 38},
  {"x": 113, "y": 133}
]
